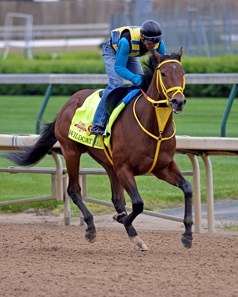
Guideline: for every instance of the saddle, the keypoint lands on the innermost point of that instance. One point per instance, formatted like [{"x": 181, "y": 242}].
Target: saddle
[{"x": 116, "y": 96}]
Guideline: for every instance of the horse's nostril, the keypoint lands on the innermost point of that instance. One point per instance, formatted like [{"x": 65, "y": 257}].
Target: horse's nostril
[{"x": 176, "y": 102}]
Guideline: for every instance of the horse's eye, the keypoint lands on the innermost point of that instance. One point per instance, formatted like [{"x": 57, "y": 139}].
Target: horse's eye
[{"x": 163, "y": 74}]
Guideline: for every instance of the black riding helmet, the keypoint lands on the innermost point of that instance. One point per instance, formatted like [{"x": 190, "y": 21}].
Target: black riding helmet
[{"x": 151, "y": 31}]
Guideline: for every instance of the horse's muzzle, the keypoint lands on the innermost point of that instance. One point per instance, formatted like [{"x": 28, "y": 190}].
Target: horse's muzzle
[{"x": 178, "y": 104}]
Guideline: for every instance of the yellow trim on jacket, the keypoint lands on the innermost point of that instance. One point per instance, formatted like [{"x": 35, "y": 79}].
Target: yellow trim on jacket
[{"x": 134, "y": 39}]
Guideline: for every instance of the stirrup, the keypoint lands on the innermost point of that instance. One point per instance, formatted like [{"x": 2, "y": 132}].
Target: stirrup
[
  {"x": 94, "y": 140},
  {"x": 105, "y": 134}
]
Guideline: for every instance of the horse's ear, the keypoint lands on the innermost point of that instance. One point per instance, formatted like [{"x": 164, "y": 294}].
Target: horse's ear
[
  {"x": 180, "y": 53},
  {"x": 154, "y": 59}
]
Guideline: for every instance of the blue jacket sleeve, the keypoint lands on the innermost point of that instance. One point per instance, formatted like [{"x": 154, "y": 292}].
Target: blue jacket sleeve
[
  {"x": 121, "y": 61},
  {"x": 162, "y": 50}
]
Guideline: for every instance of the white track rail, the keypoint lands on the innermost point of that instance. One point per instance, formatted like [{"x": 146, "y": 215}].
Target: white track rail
[{"x": 191, "y": 146}]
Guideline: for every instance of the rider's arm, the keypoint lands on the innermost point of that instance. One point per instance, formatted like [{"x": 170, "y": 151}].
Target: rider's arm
[
  {"x": 121, "y": 61},
  {"x": 161, "y": 50}
]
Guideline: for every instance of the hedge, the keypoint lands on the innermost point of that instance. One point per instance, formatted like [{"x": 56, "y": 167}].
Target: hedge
[{"x": 91, "y": 62}]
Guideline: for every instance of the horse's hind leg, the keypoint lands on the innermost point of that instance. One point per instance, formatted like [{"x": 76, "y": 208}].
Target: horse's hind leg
[
  {"x": 172, "y": 175},
  {"x": 72, "y": 158}
]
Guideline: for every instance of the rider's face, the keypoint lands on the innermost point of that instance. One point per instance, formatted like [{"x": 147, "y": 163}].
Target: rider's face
[{"x": 148, "y": 44}]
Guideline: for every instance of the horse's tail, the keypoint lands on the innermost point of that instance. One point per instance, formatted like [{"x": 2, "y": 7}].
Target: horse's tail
[{"x": 34, "y": 154}]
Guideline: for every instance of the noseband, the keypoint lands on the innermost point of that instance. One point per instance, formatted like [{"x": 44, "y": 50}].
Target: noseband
[{"x": 160, "y": 85}]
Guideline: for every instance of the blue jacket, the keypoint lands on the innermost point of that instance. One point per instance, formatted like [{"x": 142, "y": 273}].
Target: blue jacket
[{"x": 122, "y": 56}]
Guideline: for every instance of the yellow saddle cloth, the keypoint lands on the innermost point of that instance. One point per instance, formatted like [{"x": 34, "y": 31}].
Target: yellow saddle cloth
[{"x": 82, "y": 121}]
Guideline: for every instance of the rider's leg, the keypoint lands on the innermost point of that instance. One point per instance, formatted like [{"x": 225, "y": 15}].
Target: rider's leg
[{"x": 101, "y": 115}]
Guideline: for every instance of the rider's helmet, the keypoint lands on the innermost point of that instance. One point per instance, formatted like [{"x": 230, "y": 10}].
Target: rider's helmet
[{"x": 151, "y": 31}]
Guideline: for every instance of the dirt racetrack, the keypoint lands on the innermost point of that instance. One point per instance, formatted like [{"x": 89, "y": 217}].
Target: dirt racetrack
[{"x": 46, "y": 258}]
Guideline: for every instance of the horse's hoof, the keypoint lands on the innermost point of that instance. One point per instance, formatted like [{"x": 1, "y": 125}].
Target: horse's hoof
[
  {"x": 141, "y": 247},
  {"x": 90, "y": 237},
  {"x": 139, "y": 244},
  {"x": 119, "y": 217},
  {"x": 187, "y": 243}
]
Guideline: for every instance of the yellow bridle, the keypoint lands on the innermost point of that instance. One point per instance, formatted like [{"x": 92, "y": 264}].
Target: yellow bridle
[
  {"x": 159, "y": 82},
  {"x": 162, "y": 113}
]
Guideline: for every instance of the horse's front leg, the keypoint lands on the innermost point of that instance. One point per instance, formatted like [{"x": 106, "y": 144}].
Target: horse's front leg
[
  {"x": 172, "y": 175},
  {"x": 128, "y": 182},
  {"x": 118, "y": 200},
  {"x": 187, "y": 237}
]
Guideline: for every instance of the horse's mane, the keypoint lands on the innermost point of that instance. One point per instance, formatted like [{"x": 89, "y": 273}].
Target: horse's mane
[{"x": 150, "y": 65}]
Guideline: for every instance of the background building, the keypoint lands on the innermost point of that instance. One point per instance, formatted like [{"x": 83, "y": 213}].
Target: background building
[{"x": 202, "y": 27}]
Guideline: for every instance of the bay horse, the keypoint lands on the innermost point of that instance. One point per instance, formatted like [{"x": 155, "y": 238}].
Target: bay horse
[{"x": 142, "y": 141}]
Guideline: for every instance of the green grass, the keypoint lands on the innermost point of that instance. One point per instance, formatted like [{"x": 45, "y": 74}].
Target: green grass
[
  {"x": 57, "y": 55},
  {"x": 231, "y": 228},
  {"x": 201, "y": 117}
]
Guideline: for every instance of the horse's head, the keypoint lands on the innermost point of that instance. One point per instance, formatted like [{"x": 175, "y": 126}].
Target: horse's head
[{"x": 170, "y": 81}]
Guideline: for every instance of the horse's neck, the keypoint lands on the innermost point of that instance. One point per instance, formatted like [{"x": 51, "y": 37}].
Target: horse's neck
[
  {"x": 152, "y": 91},
  {"x": 151, "y": 112}
]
